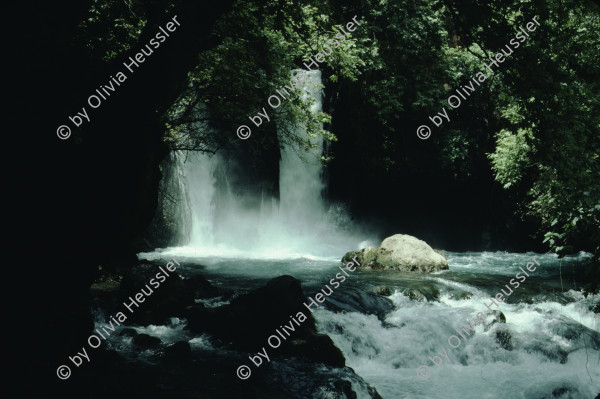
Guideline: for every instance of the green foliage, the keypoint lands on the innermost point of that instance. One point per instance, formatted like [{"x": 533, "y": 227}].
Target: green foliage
[
  {"x": 406, "y": 58},
  {"x": 110, "y": 29},
  {"x": 511, "y": 156},
  {"x": 552, "y": 141}
]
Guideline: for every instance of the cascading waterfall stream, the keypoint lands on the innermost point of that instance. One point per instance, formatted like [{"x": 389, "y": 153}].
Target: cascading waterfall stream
[{"x": 299, "y": 224}]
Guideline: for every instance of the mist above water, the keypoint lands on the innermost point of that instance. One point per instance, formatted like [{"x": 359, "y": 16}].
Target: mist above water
[{"x": 298, "y": 224}]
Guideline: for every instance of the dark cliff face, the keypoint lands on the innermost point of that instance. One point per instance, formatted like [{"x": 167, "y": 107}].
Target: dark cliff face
[{"x": 85, "y": 201}]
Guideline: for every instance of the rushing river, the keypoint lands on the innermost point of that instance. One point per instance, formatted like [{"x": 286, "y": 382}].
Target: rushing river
[{"x": 549, "y": 346}]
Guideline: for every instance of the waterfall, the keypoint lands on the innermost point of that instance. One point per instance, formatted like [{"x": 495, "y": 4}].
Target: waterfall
[{"x": 300, "y": 223}]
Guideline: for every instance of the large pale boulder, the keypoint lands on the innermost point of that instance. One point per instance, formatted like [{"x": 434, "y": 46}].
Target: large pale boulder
[{"x": 400, "y": 252}]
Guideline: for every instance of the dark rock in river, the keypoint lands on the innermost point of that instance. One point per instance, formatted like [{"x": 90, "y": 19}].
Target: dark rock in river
[
  {"x": 504, "y": 338},
  {"x": 357, "y": 300},
  {"x": 460, "y": 296},
  {"x": 201, "y": 287},
  {"x": 416, "y": 295},
  {"x": 145, "y": 341},
  {"x": 128, "y": 332},
  {"x": 400, "y": 252},
  {"x": 178, "y": 352},
  {"x": 424, "y": 293},
  {"x": 249, "y": 321},
  {"x": 497, "y": 317},
  {"x": 571, "y": 331},
  {"x": 168, "y": 300},
  {"x": 344, "y": 388},
  {"x": 383, "y": 290}
]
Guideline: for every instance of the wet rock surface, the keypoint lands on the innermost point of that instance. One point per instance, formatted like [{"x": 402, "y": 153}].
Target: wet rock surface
[
  {"x": 251, "y": 319},
  {"x": 400, "y": 252}
]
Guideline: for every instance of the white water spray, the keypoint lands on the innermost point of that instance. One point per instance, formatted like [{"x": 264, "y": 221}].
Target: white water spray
[{"x": 299, "y": 224}]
